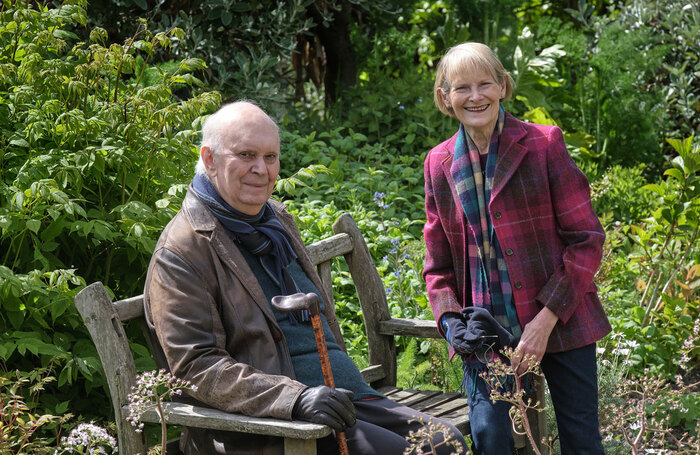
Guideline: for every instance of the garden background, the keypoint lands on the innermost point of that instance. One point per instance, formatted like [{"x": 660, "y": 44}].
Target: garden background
[{"x": 100, "y": 108}]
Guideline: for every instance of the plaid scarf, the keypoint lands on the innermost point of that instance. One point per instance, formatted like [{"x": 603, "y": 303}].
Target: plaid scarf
[{"x": 489, "y": 277}]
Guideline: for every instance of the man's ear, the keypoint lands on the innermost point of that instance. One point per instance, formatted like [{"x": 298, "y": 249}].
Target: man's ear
[{"x": 207, "y": 155}]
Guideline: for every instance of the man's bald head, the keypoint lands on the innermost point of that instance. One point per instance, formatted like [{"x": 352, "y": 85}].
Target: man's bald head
[{"x": 227, "y": 122}]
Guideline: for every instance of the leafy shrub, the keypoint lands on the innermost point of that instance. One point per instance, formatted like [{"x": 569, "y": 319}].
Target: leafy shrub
[
  {"x": 92, "y": 165},
  {"x": 660, "y": 256},
  {"x": 620, "y": 192}
]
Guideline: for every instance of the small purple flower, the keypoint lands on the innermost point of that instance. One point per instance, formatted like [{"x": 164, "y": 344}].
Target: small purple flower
[{"x": 379, "y": 200}]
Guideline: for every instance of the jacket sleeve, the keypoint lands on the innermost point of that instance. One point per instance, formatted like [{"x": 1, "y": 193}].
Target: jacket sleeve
[
  {"x": 578, "y": 228},
  {"x": 439, "y": 273},
  {"x": 183, "y": 308}
]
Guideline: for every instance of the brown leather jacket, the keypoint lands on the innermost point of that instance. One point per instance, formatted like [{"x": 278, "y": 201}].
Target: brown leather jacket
[{"x": 215, "y": 327}]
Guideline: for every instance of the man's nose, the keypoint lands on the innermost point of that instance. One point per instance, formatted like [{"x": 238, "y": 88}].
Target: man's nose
[{"x": 258, "y": 165}]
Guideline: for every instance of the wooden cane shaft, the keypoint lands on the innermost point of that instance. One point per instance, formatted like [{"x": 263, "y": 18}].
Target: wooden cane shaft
[
  {"x": 322, "y": 351},
  {"x": 327, "y": 373},
  {"x": 342, "y": 443}
]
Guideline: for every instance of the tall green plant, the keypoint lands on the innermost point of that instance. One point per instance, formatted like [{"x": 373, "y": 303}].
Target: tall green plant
[
  {"x": 92, "y": 166},
  {"x": 669, "y": 241}
]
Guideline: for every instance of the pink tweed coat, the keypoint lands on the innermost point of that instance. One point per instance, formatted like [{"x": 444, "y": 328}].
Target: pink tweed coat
[{"x": 542, "y": 215}]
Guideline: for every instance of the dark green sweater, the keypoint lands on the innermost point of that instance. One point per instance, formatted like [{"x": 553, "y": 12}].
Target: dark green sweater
[{"x": 300, "y": 337}]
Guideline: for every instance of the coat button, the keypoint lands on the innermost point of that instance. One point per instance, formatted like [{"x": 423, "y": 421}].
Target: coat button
[
  {"x": 509, "y": 251},
  {"x": 497, "y": 215},
  {"x": 518, "y": 285}
]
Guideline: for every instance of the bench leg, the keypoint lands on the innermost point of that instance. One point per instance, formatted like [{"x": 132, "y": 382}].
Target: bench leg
[{"x": 299, "y": 446}]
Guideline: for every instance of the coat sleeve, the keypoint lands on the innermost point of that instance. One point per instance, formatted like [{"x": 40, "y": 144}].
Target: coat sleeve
[
  {"x": 439, "y": 272},
  {"x": 182, "y": 307},
  {"x": 578, "y": 228}
]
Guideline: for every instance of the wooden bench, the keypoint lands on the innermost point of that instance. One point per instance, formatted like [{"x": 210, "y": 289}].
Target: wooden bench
[{"x": 104, "y": 320}]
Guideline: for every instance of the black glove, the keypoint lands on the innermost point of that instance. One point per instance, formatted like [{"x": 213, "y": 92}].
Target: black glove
[
  {"x": 456, "y": 333},
  {"x": 484, "y": 329},
  {"x": 327, "y": 406}
]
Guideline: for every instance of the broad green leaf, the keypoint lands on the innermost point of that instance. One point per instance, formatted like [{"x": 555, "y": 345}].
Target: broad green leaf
[
  {"x": 675, "y": 173},
  {"x": 5, "y": 221},
  {"x": 655, "y": 188},
  {"x": 33, "y": 225}
]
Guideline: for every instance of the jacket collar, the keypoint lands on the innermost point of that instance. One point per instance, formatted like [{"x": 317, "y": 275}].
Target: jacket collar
[
  {"x": 510, "y": 154},
  {"x": 204, "y": 222}
]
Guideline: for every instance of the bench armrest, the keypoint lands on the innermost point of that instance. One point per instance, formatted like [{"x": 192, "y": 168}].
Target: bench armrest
[
  {"x": 420, "y": 328},
  {"x": 201, "y": 417}
]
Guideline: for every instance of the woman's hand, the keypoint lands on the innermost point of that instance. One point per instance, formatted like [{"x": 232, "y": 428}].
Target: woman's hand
[{"x": 534, "y": 340}]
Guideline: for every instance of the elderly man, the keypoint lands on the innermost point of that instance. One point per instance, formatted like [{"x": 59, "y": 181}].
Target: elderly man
[{"x": 212, "y": 277}]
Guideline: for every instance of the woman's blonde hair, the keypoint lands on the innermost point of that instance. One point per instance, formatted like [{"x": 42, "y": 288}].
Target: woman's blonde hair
[{"x": 464, "y": 58}]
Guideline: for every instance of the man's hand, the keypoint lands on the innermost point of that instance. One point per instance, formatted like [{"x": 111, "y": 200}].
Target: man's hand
[
  {"x": 327, "y": 406},
  {"x": 534, "y": 340}
]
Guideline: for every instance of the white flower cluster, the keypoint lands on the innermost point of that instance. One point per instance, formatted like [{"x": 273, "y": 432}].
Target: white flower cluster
[
  {"x": 150, "y": 390},
  {"x": 88, "y": 439}
]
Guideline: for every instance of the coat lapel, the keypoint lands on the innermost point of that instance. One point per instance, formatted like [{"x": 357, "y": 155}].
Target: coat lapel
[
  {"x": 510, "y": 153},
  {"x": 202, "y": 220}
]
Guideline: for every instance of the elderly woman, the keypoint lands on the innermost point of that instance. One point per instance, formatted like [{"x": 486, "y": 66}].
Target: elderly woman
[{"x": 512, "y": 247}]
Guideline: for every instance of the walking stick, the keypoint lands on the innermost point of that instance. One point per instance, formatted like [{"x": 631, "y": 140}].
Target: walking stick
[{"x": 310, "y": 302}]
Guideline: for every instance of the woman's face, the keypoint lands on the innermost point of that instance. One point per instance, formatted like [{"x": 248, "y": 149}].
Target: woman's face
[{"x": 475, "y": 98}]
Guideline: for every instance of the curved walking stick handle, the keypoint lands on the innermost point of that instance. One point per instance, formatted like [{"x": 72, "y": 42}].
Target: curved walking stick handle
[{"x": 297, "y": 302}]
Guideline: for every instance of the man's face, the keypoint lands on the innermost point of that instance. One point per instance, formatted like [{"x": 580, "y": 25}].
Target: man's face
[{"x": 245, "y": 170}]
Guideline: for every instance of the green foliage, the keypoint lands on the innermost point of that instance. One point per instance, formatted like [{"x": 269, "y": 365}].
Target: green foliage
[
  {"x": 620, "y": 192},
  {"x": 20, "y": 423},
  {"x": 624, "y": 76},
  {"x": 661, "y": 256},
  {"x": 92, "y": 163}
]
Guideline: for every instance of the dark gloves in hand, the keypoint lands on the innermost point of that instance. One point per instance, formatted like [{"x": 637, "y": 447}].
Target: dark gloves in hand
[
  {"x": 327, "y": 406},
  {"x": 474, "y": 328},
  {"x": 456, "y": 333},
  {"x": 483, "y": 327}
]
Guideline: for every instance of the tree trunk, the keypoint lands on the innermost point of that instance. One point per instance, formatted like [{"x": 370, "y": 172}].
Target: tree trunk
[{"x": 341, "y": 69}]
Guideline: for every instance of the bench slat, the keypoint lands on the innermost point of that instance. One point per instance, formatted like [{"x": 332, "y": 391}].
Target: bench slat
[
  {"x": 439, "y": 400},
  {"x": 200, "y": 417},
  {"x": 327, "y": 249},
  {"x": 128, "y": 309},
  {"x": 450, "y": 406},
  {"x": 409, "y": 327},
  {"x": 373, "y": 373},
  {"x": 418, "y": 399}
]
